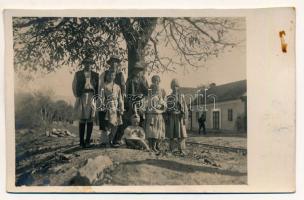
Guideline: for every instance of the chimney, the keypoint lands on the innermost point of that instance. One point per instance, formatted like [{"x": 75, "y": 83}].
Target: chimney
[{"x": 212, "y": 85}]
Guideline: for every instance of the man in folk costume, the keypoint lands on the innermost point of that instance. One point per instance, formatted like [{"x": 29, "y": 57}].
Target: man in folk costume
[
  {"x": 137, "y": 90},
  {"x": 85, "y": 87},
  {"x": 177, "y": 115}
]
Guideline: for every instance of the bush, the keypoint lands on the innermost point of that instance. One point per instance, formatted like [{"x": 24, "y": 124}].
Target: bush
[{"x": 38, "y": 109}]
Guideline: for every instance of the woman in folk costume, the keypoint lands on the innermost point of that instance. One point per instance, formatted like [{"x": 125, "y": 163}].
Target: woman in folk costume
[
  {"x": 155, "y": 124},
  {"x": 114, "y": 66},
  {"x": 113, "y": 106},
  {"x": 85, "y": 87},
  {"x": 177, "y": 114}
]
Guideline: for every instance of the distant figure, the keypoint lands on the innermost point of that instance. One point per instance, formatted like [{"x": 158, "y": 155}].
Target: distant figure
[
  {"x": 134, "y": 135},
  {"x": 201, "y": 122},
  {"x": 177, "y": 114},
  {"x": 85, "y": 86}
]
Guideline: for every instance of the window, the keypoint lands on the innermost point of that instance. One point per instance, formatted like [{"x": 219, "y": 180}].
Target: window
[
  {"x": 216, "y": 120},
  {"x": 230, "y": 115}
]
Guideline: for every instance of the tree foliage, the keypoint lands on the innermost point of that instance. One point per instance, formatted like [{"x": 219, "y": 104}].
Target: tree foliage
[
  {"x": 49, "y": 43},
  {"x": 38, "y": 109}
]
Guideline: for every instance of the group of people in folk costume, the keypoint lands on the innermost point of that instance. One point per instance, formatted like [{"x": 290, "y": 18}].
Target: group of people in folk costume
[{"x": 131, "y": 111}]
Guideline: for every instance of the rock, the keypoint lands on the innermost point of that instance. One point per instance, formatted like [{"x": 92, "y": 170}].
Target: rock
[
  {"x": 92, "y": 169},
  {"x": 69, "y": 133},
  {"x": 108, "y": 176},
  {"x": 23, "y": 131},
  {"x": 47, "y": 133},
  {"x": 57, "y": 168},
  {"x": 63, "y": 157},
  {"x": 79, "y": 180},
  {"x": 76, "y": 154},
  {"x": 53, "y": 135},
  {"x": 111, "y": 168}
]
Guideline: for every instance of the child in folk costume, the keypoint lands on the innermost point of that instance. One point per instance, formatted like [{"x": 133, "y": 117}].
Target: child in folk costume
[
  {"x": 134, "y": 135},
  {"x": 113, "y": 106},
  {"x": 155, "y": 124},
  {"x": 177, "y": 114}
]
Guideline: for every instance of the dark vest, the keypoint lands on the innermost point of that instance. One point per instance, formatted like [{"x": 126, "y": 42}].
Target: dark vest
[{"x": 80, "y": 82}]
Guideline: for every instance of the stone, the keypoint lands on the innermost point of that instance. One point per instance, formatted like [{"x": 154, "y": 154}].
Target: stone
[
  {"x": 57, "y": 168},
  {"x": 93, "y": 167},
  {"x": 64, "y": 157},
  {"x": 53, "y": 135},
  {"x": 79, "y": 180},
  {"x": 23, "y": 131},
  {"x": 47, "y": 133},
  {"x": 69, "y": 133}
]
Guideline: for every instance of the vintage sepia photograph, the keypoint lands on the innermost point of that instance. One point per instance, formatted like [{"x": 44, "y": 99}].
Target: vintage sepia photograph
[{"x": 125, "y": 101}]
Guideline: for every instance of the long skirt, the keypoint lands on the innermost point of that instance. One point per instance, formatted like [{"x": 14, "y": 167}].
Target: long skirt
[
  {"x": 176, "y": 126},
  {"x": 155, "y": 126}
]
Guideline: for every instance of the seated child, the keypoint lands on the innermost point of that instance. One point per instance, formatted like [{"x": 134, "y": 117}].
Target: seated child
[{"x": 134, "y": 135}]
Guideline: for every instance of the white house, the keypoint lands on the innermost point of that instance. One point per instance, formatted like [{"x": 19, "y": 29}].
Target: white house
[{"x": 225, "y": 107}]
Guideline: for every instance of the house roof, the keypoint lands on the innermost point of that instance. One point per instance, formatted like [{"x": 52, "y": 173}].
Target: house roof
[
  {"x": 189, "y": 93},
  {"x": 188, "y": 90},
  {"x": 225, "y": 92}
]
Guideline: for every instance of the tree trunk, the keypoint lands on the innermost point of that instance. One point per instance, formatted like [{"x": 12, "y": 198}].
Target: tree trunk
[
  {"x": 136, "y": 40},
  {"x": 135, "y": 54}
]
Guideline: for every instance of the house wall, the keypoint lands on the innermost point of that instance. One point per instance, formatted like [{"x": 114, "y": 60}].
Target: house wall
[{"x": 238, "y": 109}]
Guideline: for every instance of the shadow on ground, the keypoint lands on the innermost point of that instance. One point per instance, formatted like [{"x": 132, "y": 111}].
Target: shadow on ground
[{"x": 181, "y": 167}]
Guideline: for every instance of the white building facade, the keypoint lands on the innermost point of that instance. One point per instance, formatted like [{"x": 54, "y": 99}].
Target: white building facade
[{"x": 225, "y": 111}]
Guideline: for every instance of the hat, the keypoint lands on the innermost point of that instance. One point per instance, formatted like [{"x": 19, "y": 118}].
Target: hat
[
  {"x": 113, "y": 58},
  {"x": 175, "y": 83},
  {"x": 155, "y": 77},
  {"x": 88, "y": 59},
  {"x": 140, "y": 65}
]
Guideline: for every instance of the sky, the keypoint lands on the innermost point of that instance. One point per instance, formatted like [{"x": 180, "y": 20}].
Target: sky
[{"x": 229, "y": 66}]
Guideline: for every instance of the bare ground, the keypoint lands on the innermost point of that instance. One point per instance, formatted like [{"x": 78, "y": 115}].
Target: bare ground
[{"x": 42, "y": 160}]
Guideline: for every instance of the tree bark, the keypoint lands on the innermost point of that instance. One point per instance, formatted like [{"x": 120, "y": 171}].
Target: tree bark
[{"x": 136, "y": 40}]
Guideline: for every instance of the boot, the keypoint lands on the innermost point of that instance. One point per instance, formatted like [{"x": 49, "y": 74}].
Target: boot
[
  {"x": 89, "y": 133},
  {"x": 158, "y": 141},
  {"x": 81, "y": 134}
]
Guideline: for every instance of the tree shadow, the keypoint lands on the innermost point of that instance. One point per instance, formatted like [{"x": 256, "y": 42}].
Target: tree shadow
[{"x": 186, "y": 168}]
